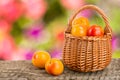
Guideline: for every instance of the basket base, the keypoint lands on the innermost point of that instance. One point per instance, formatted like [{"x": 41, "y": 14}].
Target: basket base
[
  {"x": 84, "y": 70},
  {"x": 95, "y": 70}
]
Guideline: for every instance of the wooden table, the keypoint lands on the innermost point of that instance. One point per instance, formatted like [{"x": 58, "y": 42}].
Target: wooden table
[{"x": 24, "y": 70}]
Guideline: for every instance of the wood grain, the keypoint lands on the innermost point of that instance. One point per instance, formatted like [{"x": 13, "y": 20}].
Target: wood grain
[{"x": 24, "y": 70}]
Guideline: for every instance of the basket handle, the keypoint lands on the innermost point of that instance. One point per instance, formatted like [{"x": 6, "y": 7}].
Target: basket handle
[{"x": 107, "y": 30}]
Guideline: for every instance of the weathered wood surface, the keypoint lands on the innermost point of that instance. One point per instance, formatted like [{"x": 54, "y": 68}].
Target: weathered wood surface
[{"x": 24, "y": 70}]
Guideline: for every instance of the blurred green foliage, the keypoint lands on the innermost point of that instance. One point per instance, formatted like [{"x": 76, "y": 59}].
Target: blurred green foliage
[{"x": 55, "y": 10}]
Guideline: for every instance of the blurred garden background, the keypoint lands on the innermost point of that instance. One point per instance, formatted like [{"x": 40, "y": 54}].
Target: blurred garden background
[{"x": 30, "y": 25}]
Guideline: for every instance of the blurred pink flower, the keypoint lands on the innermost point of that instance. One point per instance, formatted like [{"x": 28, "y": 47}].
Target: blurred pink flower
[
  {"x": 115, "y": 43},
  {"x": 60, "y": 36},
  {"x": 86, "y": 13},
  {"x": 34, "y": 9},
  {"x": 56, "y": 54},
  {"x": 72, "y": 4},
  {"x": 7, "y": 46},
  {"x": 5, "y": 27},
  {"x": 22, "y": 54},
  {"x": 34, "y": 31},
  {"x": 28, "y": 55},
  {"x": 11, "y": 9},
  {"x": 18, "y": 54},
  {"x": 2, "y": 3}
]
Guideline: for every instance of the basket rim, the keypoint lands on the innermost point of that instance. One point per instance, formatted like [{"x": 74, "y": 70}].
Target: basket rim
[{"x": 105, "y": 37}]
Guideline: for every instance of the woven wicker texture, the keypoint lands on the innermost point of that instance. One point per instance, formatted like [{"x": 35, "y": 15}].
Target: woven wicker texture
[{"x": 86, "y": 54}]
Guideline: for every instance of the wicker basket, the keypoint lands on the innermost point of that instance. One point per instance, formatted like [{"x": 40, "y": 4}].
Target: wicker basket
[{"x": 87, "y": 54}]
